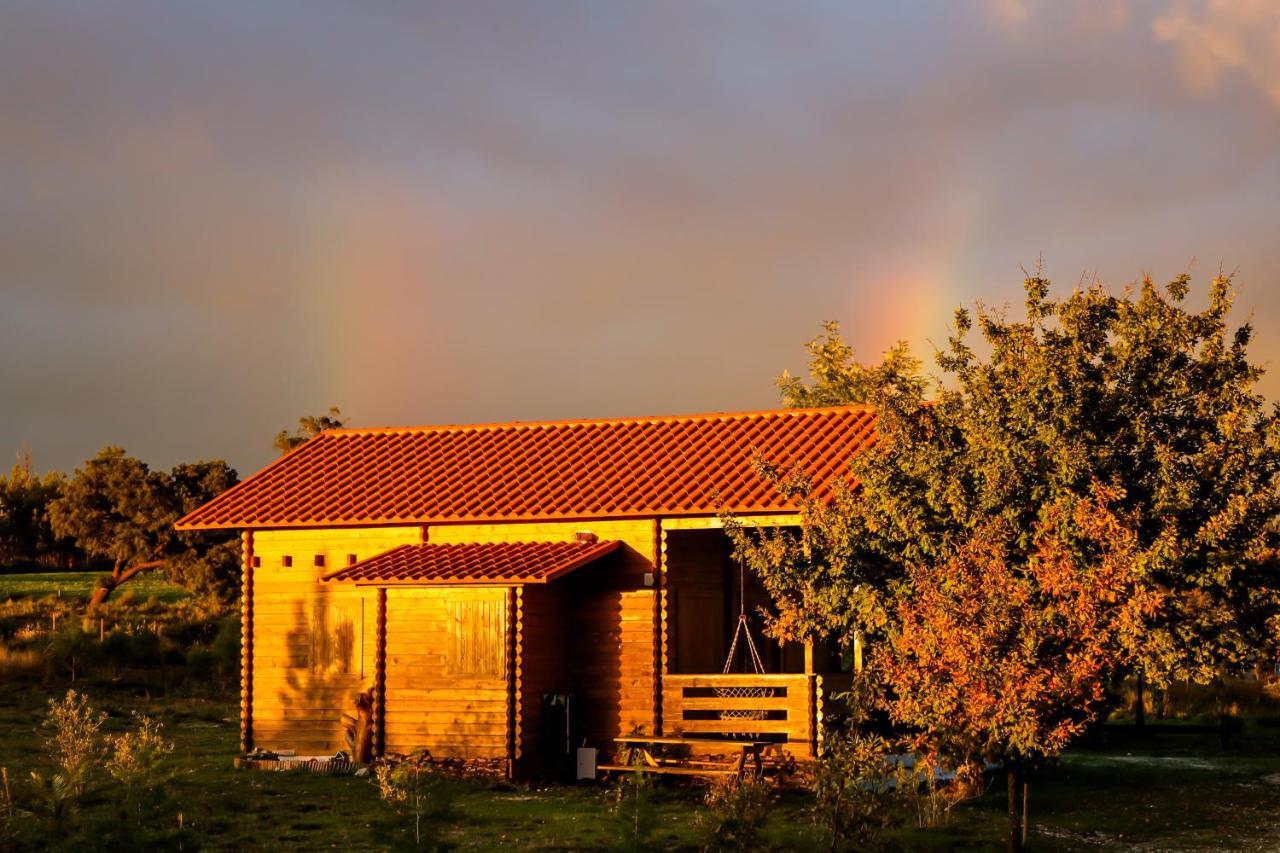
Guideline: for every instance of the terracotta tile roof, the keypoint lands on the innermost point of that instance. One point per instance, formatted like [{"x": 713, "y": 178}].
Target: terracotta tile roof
[
  {"x": 502, "y": 563},
  {"x": 688, "y": 465}
]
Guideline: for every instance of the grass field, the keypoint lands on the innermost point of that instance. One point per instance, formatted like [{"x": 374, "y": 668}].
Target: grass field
[
  {"x": 79, "y": 585},
  {"x": 1183, "y": 793}
]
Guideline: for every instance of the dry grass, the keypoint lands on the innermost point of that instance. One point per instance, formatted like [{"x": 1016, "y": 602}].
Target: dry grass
[{"x": 19, "y": 664}]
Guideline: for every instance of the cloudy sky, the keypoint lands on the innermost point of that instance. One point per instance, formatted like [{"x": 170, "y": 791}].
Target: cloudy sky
[{"x": 215, "y": 217}]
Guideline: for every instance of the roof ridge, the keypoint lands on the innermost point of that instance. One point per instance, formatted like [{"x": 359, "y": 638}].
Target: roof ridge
[{"x": 495, "y": 426}]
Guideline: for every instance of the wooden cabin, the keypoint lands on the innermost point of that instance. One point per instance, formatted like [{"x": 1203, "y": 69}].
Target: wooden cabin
[{"x": 479, "y": 579}]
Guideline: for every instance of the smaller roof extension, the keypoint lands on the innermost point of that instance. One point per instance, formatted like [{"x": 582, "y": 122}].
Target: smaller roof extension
[{"x": 491, "y": 564}]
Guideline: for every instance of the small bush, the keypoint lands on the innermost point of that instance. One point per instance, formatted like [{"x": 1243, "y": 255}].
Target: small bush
[
  {"x": 416, "y": 788},
  {"x": 74, "y": 740},
  {"x": 854, "y": 781},
  {"x": 72, "y": 650},
  {"x": 633, "y": 811},
  {"x": 739, "y": 808},
  {"x": 57, "y": 803},
  {"x": 136, "y": 759}
]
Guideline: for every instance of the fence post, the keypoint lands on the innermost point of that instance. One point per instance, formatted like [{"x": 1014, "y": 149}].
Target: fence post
[{"x": 815, "y": 714}]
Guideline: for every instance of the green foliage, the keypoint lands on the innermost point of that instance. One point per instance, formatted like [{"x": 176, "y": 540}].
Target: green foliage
[
  {"x": 219, "y": 660},
  {"x": 57, "y": 802},
  {"x": 74, "y": 739},
  {"x": 418, "y": 789},
  {"x": 1136, "y": 392},
  {"x": 309, "y": 426},
  {"x": 72, "y": 649},
  {"x": 26, "y": 534},
  {"x": 634, "y": 813},
  {"x": 138, "y": 759},
  {"x": 118, "y": 509},
  {"x": 853, "y": 787},
  {"x": 1092, "y": 489},
  {"x": 839, "y": 379},
  {"x": 738, "y": 808}
]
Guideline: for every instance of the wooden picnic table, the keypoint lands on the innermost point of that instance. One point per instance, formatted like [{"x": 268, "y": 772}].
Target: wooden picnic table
[{"x": 639, "y": 753}]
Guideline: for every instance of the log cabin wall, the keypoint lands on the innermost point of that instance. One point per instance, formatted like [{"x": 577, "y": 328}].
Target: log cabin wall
[
  {"x": 546, "y": 639},
  {"x": 447, "y": 660},
  {"x": 609, "y": 662},
  {"x": 593, "y": 634},
  {"x": 312, "y": 643}
]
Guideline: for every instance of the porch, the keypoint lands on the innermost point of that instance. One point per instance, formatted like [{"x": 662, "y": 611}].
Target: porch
[
  {"x": 705, "y": 595},
  {"x": 791, "y": 710}
]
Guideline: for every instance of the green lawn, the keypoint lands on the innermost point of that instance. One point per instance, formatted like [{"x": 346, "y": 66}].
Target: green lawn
[
  {"x": 1185, "y": 793},
  {"x": 79, "y": 585}
]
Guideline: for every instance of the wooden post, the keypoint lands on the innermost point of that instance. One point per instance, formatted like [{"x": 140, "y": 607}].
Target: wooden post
[
  {"x": 659, "y": 622},
  {"x": 857, "y": 651},
  {"x": 246, "y": 643},
  {"x": 380, "y": 677},
  {"x": 808, "y": 657},
  {"x": 513, "y": 666},
  {"x": 815, "y": 715}
]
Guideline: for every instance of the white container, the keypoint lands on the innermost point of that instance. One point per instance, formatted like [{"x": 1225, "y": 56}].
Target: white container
[{"x": 587, "y": 762}]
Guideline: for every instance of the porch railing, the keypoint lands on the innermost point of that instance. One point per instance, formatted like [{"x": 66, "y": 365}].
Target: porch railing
[{"x": 786, "y": 709}]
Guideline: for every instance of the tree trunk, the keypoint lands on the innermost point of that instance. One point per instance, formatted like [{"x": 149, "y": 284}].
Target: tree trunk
[
  {"x": 107, "y": 585},
  {"x": 100, "y": 593},
  {"x": 1140, "y": 703},
  {"x": 1014, "y": 772}
]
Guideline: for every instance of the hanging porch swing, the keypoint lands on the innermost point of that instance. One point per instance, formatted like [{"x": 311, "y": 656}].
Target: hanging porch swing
[{"x": 742, "y": 631}]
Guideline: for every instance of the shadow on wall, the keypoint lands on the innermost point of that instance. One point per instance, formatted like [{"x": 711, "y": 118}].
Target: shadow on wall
[{"x": 322, "y": 678}]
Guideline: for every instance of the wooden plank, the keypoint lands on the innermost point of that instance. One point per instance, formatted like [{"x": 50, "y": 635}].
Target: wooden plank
[
  {"x": 665, "y": 770},
  {"x": 715, "y": 703},
  {"x": 668, "y": 740},
  {"x": 737, "y": 726},
  {"x": 736, "y": 680}
]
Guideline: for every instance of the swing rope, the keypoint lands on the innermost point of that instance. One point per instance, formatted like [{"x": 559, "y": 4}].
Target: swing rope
[{"x": 742, "y": 629}]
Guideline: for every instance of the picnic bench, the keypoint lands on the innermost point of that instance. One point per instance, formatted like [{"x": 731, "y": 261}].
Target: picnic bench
[{"x": 642, "y": 753}]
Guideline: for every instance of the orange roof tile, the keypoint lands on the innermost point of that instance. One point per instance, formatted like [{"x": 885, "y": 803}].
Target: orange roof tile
[
  {"x": 503, "y": 564},
  {"x": 687, "y": 465}
]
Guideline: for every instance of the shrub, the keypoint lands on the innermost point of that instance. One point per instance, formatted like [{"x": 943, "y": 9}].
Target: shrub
[
  {"x": 634, "y": 815},
  {"x": 854, "y": 781},
  {"x": 74, "y": 741},
  {"x": 415, "y": 787},
  {"x": 72, "y": 650},
  {"x": 57, "y": 802},
  {"x": 739, "y": 808},
  {"x": 136, "y": 758},
  {"x": 220, "y": 660}
]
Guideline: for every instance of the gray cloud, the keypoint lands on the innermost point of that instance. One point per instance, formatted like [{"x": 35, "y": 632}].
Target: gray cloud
[{"x": 216, "y": 217}]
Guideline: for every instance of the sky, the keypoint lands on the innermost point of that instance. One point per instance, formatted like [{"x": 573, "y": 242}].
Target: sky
[{"x": 217, "y": 217}]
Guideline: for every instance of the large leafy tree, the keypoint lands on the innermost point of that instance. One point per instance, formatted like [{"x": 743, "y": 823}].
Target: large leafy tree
[
  {"x": 1136, "y": 393},
  {"x": 118, "y": 509},
  {"x": 309, "y": 426}
]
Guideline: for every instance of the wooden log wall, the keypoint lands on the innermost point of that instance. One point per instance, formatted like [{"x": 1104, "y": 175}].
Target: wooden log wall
[
  {"x": 246, "y": 642},
  {"x": 447, "y": 671},
  {"x": 612, "y": 617},
  {"x": 546, "y": 663},
  {"x": 312, "y": 644}
]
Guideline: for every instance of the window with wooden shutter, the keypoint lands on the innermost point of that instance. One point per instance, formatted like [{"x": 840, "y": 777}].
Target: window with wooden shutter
[{"x": 477, "y": 638}]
